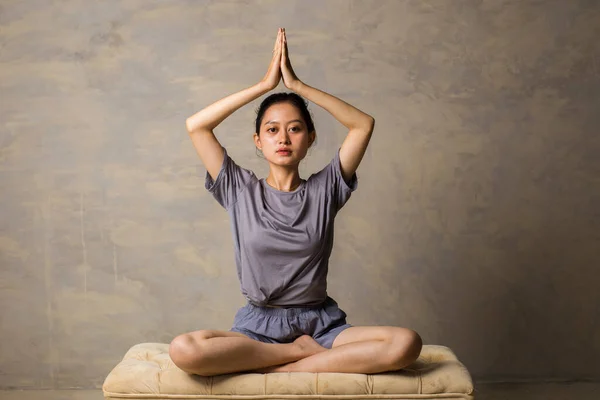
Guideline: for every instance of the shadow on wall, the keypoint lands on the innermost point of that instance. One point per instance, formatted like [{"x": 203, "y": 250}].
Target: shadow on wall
[{"x": 523, "y": 301}]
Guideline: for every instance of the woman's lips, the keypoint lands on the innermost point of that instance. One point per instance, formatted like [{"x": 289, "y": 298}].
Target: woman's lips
[{"x": 284, "y": 152}]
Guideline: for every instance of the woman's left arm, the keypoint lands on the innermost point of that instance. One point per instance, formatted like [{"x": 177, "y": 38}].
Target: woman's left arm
[{"x": 360, "y": 125}]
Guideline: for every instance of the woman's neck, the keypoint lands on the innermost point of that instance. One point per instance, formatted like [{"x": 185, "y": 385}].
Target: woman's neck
[{"x": 284, "y": 181}]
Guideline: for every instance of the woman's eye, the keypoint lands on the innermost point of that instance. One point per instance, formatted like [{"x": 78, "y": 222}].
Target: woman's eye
[{"x": 294, "y": 129}]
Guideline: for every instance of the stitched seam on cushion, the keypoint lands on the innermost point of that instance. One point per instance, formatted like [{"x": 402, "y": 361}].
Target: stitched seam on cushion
[
  {"x": 420, "y": 391},
  {"x": 450, "y": 395}
]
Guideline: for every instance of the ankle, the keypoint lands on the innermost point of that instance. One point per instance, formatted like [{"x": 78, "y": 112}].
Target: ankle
[{"x": 298, "y": 351}]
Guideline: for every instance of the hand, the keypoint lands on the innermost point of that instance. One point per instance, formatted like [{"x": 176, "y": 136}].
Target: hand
[
  {"x": 273, "y": 75},
  {"x": 290, "y": 80}
]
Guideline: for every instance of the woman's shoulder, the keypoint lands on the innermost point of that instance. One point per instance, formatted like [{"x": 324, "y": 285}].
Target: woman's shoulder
[{"x": 325, "y": 171}]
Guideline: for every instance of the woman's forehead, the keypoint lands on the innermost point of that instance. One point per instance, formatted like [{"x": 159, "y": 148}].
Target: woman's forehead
[{"x": 282, "y": 113}]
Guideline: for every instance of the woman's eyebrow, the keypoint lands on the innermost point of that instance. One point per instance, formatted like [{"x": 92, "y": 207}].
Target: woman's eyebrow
[{"x": 276, "y": 122}]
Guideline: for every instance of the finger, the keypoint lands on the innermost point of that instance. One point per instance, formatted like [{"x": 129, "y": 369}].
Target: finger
[
  {"x": 284, "y": 39},
  {"x": 281, "y": 40},
  {"x": 277, "y": 39},
  {"x": 277, "y": 51},
  {"x": 277, "y": 45}
]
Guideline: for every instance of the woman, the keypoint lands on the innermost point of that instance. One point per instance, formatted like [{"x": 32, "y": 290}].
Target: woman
[{"x": 283, "y": 235}]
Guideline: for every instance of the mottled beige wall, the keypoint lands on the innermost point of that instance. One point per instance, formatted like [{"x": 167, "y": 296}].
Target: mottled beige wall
[{"x": 476, "y": 221}]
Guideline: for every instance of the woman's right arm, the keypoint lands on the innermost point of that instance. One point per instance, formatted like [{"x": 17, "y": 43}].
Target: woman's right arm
[{"x": 200, "y": 125}]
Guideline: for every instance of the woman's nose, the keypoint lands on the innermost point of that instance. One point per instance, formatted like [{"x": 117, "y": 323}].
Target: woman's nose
[{"x": 284, "y": 138}]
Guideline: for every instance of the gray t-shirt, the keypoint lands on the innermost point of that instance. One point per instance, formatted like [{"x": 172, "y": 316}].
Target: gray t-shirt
[{"x": 282, "y": 240}]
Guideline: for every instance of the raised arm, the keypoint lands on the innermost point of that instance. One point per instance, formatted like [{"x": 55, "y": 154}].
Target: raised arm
[
  {"x": 200, "y": 125},
  {"x": 360, "y": 125}
]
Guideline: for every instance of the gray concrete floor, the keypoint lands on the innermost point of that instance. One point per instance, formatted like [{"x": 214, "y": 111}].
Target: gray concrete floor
[{"x": 483, "y": 391}]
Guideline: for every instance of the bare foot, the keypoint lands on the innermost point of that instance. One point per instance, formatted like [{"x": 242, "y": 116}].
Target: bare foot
[
  {"x": 276, "y": 368},
  {"x": 308, "y": 345}
]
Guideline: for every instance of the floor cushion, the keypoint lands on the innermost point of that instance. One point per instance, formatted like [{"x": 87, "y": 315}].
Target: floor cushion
[{"x": 147, "y": 372}]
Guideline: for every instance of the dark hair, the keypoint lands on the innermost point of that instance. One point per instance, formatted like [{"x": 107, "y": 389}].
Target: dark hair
[{"x": 283, "y": 97}]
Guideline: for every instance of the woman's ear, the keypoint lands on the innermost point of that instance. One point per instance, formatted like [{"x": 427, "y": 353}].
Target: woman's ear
[
  {"x": 257, "y": 141},
  {"x": 311, "y": 138}
]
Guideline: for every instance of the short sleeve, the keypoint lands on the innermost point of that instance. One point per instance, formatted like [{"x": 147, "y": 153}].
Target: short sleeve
[
  {"x": 231, "y": 181},
  {"x": 331, "y": 178}
]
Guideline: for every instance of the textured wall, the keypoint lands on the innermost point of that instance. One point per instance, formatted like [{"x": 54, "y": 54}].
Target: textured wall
[{"x": 476, "y": 222}]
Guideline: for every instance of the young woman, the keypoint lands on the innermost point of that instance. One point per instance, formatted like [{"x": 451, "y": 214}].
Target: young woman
[{"x": 283, "y": 236}]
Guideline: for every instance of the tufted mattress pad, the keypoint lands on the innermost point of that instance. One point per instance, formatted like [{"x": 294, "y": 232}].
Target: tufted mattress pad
[{"x": 147, "y": 372}]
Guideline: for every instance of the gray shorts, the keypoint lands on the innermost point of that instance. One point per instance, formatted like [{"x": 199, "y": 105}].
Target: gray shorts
[{"x": 283, "y": 325}]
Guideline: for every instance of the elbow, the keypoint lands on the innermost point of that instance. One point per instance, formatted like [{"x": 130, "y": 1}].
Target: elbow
[
  {"x": 369, "y": 124},
  {"x": 189, "y": 126},
  {"x": 365, "y": 124},
  {"x": 194, "y": 126}
]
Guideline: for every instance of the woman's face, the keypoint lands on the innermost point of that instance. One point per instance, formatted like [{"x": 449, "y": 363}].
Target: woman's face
[{"x": 283, "y": 136}]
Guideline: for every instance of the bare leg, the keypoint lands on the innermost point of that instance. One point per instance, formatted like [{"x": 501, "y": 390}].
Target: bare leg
[
  {"x": 380, "y": 349},
  {"x": 211, "y": 352}
]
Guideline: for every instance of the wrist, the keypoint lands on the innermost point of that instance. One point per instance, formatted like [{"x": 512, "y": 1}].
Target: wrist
[
  {"x": 297, "y": 86},
  {"x": 263, "y": 87}
]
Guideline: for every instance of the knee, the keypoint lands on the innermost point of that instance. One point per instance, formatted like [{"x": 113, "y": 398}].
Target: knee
[
  {"x": 186, "y": 353},
  {"x": 407, "y": 345},
  {"x": 181, "y": 350}
]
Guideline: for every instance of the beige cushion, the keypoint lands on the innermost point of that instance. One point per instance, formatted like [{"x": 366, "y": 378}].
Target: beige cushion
[{"x": 147, "y": 372}]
